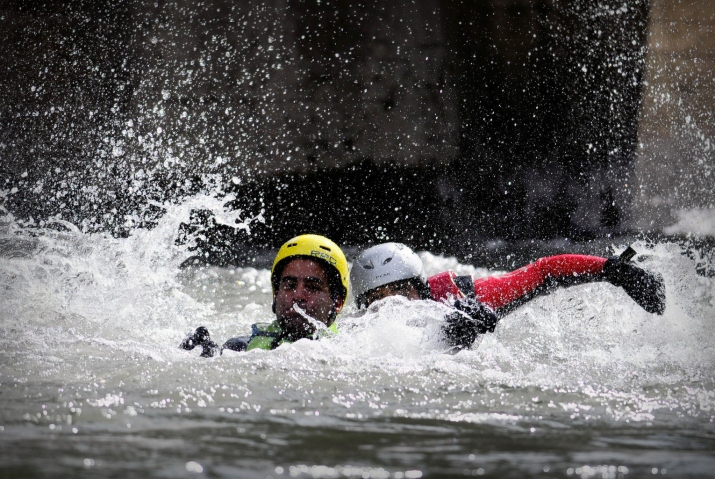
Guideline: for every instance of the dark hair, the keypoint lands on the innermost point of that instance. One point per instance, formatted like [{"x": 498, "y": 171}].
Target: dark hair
[{"x": 422, "y": 288}]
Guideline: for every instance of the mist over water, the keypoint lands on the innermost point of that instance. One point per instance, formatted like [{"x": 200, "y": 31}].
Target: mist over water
[{"x": 91, "y": 374}]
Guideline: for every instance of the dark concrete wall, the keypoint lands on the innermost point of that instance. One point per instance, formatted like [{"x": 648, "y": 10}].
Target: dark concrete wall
[
  {"x": 299, "y": 86},
  {"x": 675, "y": 167},
  {"x": 436, "y": 123}
]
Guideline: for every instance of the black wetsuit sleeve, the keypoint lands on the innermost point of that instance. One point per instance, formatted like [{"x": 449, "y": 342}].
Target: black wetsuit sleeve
[
  {"x": 201, "y": 338},
  {"x": 239, "y": 343}
]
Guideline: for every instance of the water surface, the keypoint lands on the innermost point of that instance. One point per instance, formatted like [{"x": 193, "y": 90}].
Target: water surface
[{"x": 579, "y": 383}]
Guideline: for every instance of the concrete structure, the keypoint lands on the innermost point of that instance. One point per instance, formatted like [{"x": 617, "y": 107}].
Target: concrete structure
[
  {"x": 506, "y": 119},
  {"x": 280, "y": 86},
  {"x": 675, "y": 167}
]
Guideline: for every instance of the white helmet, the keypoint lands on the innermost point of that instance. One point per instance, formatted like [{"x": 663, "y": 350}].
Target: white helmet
[{"x": 383, "y": 264}]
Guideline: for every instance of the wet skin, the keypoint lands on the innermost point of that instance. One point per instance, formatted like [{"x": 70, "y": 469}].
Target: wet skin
[
  {"x": 304, "y": 283},
  {"x": 398, "y": 288}
]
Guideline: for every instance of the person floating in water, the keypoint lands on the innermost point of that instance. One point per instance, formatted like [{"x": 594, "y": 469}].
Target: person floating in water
[
  {"x": 309, "y": 279},
  {"x": 394, "y": 269}
]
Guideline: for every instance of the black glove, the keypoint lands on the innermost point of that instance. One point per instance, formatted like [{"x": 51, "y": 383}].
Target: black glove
[
  {"x": 471, "y": 319},
  {"x": 646, "y": 288},
  {"x": 200, "y": 337}
]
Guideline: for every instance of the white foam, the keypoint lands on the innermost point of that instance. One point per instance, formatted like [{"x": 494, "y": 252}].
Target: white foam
[
  {"x": 79, "y": 308},
  {"x": 697, "y": 221}
]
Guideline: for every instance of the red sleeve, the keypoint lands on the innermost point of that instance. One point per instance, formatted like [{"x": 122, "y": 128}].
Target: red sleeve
[
  {"x": 443, "y": 288},
  {"x": 499, "y": 291}
]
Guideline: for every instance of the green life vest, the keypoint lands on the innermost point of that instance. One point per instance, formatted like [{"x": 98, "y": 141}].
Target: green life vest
[{"x": 270, "y": 336}]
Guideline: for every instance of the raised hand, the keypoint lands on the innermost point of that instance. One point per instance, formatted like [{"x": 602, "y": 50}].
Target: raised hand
[
  {"x": 200, "y": 337},
  {"x": 646, "y": 288}
]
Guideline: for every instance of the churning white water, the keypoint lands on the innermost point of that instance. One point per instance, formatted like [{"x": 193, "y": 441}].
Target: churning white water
[{"x": 580, "y": 383}]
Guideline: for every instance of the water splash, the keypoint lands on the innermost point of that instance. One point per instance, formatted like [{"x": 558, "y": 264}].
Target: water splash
[
  {"x": 90, "y": 326},
  {"x": 71, "y": 299},
  {"x": 99, "y": 288}
]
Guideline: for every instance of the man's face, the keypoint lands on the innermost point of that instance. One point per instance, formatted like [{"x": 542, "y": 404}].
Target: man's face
[
  {"x": 398, "y": 288},
  {"x": 304, "y": 283}
]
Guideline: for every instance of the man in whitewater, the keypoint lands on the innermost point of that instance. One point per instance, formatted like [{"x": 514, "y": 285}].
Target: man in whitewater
[
  {"x": 309, "y": 279},
  {"x": 394, "y": 269}
]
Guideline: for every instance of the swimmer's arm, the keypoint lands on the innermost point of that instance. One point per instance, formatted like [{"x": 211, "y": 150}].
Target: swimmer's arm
[
  {"x": 239, "y": 343},
  {"x": 470, "y": 319},
  {"x": 506, "y": 292},
  {"x": 201, "y": 338}
]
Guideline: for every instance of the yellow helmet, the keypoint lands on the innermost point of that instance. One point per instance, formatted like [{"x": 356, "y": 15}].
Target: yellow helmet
[{"x": 315, "y": 247}]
